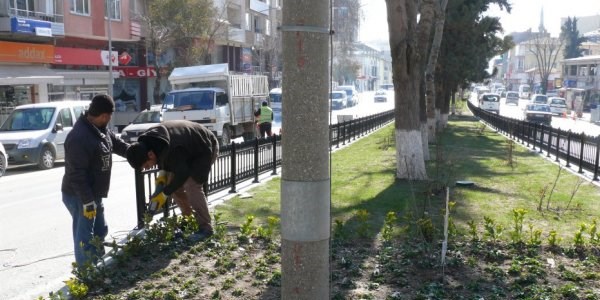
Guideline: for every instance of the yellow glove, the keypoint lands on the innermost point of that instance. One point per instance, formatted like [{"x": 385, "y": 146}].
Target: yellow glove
[
  {"x": 89, "y": 210},
  {"x": 157, "y": 202}
]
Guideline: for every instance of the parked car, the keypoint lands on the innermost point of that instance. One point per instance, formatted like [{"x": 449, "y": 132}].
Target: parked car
[
  {"x": 512, "y": 98},
  {"x": 380, "y": 96},
  {"x": 539, "y": 113},
  {"x": 490, "y": 102},
  {"x": 539, "y": 99},
  {"x": 558, "y": 105},
  {"x": 36, "y": 133},
  {"x": 351, "y": 93},
  {"x": 141, "y": 123},
  {"x": 3, "y": 160},
  {"x": 338, "y": 99}
]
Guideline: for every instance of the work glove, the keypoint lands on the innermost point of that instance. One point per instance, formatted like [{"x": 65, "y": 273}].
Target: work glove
[
  {"x": 157, "y": 202},
  {"x": 89, "y": 210},
  {"x": 159, "y": 183}
]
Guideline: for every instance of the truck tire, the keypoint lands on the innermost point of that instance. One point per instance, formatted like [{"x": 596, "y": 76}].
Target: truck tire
[{"x": 226, "y": 136}]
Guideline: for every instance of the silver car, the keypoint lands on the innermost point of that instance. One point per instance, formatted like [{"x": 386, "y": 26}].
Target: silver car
[
  {"x": 558, "y": 105},
  {"x": 3, "y": 160}
]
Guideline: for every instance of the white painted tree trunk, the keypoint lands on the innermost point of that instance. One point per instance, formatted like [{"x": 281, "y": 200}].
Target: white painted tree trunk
[
  {"x": 425, "y": 140},
  {"x": 438, "y": 120},
  {"x": 431, "y": 128},
  {"x": 444, "y": 120},
  {"x": 409, "y": 155}
]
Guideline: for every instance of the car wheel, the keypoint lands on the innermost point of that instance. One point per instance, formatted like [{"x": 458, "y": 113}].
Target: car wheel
[
  {"x": 226, "y": 136},
  {"x": 2, "y": 165},
  {"x": 47, "y": 159}
]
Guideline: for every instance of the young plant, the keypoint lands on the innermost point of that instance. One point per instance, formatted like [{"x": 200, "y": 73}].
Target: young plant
[
  {"x": 246, "y": 230},
  {"x": 553, "y": 186},
  {"x": 510, "y": 149},
  {"x": 362, "y": 216},
  {"x": 77, "y": 288},
  {"x": 266, "y": 233},
  {"x": 473, "y": 230},
  {"x": 426, "y": 229},
  {"x": 553, "y": 239},
  {"x": 594, "y": 236},
  {"x": 388, "y": 226},
  {"x": 517, "y": 234},
  {"x": 578, "y": 240},
  {"x": 534, "y": 237},
  {"x": 492, "y": 230},
  {"x": 220, "y": 228},
  {"x": 574, "y": 191},
  {"x": 339, "y": 231}
]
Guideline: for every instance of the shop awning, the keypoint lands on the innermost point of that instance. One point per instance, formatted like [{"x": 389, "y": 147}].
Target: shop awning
[
  {"x": 16, "y": 75},
  {"x": 79, "y": 77}
]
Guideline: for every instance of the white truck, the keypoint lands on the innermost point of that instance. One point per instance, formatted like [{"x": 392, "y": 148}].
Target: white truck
[{"x": 210, "y": 95}]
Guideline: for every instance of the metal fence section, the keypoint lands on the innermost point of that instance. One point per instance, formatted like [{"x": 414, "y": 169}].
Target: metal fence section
[
  {"x": 578, "y": 150},
  {"x": 249, "y": 159}
]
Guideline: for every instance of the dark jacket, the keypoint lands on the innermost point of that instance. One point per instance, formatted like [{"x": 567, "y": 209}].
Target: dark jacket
[
  {"x": 88, "y": 160},
  {"x": 188, "y": 153}
]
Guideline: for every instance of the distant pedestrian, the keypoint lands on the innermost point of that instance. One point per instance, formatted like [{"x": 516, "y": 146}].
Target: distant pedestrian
[
  {"x": 264, "y": 117},
  {"x": 186, "y": 151},
  {"x": 88, "y": 163}
]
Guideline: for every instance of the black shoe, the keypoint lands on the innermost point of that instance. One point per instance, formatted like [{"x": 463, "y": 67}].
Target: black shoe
[{"x": 200, "y": 235}]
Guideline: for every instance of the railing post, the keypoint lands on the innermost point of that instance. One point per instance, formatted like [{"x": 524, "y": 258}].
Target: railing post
[
  {"x": 140, "y": 200},
  {"x": 558, "y": 132},
  {"x": 233, "y": 168},
  {"x": 597, "y": 158},
  {"x": 274, "y": 147},
  {"x": 535, "y": 125},
  {"x": 581, "y": 144},
  {"x": 256, "y": 143},
  {"x": 528, "y": 133},
  {"x": 568, "y": 148},
  {"x": 549, "y": 141},
  {"x": 337, "y": 134},
  {"x": 541, "y": 137},
  {"x": 344, "y": 132}
]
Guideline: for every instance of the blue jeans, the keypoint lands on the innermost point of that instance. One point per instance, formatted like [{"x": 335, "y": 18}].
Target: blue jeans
[{"x": 84, "y": 229}]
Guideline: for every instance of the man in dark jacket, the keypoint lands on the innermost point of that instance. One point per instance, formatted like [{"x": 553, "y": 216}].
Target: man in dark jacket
[
  {"x": 186, "y": 150},
  {"x": 88, "y": 163}
]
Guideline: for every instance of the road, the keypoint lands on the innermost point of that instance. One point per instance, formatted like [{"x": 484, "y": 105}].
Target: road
[
  {"x": 558, "y": 122},
  {"x": 36, "y": 246}
]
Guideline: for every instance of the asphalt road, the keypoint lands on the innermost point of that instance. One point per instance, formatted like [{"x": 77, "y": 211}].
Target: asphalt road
[{"x": 36, "y": 246}]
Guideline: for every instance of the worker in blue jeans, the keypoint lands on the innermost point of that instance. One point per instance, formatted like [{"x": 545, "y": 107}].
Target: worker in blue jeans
[{"x": 88, "y": 163}]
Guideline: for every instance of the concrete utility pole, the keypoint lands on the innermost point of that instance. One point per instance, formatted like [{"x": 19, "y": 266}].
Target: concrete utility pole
[{"x": 305, "y": 184}]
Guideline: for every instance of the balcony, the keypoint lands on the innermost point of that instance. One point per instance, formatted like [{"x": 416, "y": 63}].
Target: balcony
[{"x": 36, "y": 15}]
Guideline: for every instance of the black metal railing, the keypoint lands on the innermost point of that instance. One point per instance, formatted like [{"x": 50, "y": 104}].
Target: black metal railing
[
  {"x": 578, "y": 150},
  {"x": 249, "y": 159}
]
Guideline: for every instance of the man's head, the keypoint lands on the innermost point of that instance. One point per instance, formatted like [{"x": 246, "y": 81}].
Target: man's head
[
  {"x": 101, "y": 110},
  {"x": 140, "y": 157},
  {"x": 264, "y": 103}
]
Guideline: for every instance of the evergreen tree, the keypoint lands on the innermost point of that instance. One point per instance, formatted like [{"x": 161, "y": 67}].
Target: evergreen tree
[{"x": 572, "y": 39}]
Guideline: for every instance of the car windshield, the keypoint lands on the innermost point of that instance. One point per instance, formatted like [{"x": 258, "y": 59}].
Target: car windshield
[
  {"x": 29, "y": 119},
  {"x": 275, "y": 98},
  {"x": 540, "y": 99},
  {"x": 336, "y": 96},
  {"x": 188, "y": 100},
  {"x": 538, "y": 107},
  {"x": 512, "y": 95},
  {"x": 491, "y": 98},
  {"x": 147, "y": 117},
  {"x": 557, "y": 101}
]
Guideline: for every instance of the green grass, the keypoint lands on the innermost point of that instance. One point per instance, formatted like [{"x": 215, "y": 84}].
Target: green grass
[{"x": 363, "y": 178}]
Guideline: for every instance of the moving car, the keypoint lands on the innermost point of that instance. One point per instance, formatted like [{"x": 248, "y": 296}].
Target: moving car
[
  {"x": 538, "y": 113},
  {"x": 36, "y": 133},
  {"x": 275, "y": 97},
  {"x": 539, "y": 99},
  {"x": 141, "y": 123},
  {"x": 380, "y": 96},
  {"x": 338, "y": 99},
  {"x": 3, "y": 160},
  {"x": 351, "y": 93},
  {"x": 512, "y": 98},
  {"x": 558, "y": 105},
  {"x": 490, "y": 102}
]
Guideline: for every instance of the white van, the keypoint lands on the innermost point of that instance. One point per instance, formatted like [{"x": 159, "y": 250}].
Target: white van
[
  {"x": 490, "y": 102},
  {"x": 36, "y": 133},
  {"x": 524, "y": 91},
  {"x": 275, "y": 99},
  {"x": 351, "y": 92}
]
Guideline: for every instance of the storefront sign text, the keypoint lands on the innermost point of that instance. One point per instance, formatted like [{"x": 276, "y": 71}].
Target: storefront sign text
[
  {"x": 135, "y": 72},
  {"x": 26, "y": 53}
]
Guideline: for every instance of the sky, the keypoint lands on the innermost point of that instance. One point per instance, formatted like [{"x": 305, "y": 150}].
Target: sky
[{"x": 525, "y": 14}]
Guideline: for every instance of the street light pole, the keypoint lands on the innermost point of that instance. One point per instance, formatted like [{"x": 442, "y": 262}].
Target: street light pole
[{"x": 110, "y": 63}]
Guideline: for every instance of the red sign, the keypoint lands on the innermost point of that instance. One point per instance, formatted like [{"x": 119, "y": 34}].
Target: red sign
[
  {"x": 136, "y": 72},
  {"x": 25, "y": 52},
  {"x": 124, "y": 58},
  {"x": 86, "y": 57}
]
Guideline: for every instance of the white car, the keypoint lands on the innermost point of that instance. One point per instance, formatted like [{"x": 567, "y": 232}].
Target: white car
[
  {"x": 140, "y": 124},
  {"x": 3, "y": 160},
  {"x": 490, "y": 102},
  {"x": 351, "y": 93},
  {"x": 512, "y": 98},
  {"x": 558, "y": 105},
  {"x": 338, "y": 99}
]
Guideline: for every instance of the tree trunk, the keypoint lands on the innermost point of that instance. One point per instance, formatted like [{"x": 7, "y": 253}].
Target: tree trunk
[{"x": 402, "y": 20}]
